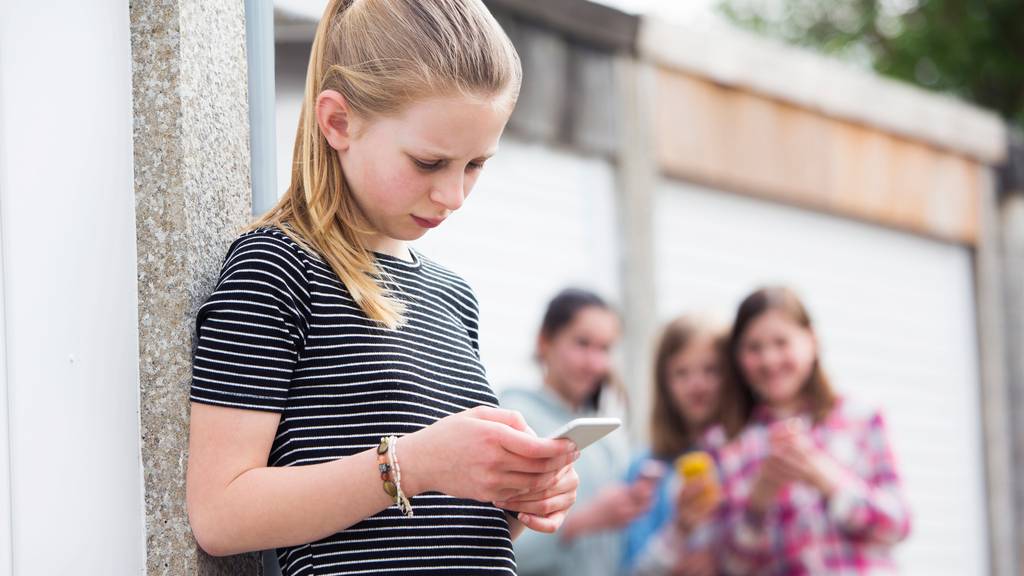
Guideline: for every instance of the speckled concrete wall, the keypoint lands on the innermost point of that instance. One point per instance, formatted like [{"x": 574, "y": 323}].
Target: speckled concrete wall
[{"x": 192, "y": 194}]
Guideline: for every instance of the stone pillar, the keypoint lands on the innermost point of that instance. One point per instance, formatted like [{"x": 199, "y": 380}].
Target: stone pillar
[{"x": 192, "y": 190}]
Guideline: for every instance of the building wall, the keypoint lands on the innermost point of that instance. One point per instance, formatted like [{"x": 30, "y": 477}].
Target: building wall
[{"x": 69, "y": 290}]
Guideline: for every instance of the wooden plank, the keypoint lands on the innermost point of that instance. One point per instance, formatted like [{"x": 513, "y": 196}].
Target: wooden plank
[{"x": 744, "y": 142}]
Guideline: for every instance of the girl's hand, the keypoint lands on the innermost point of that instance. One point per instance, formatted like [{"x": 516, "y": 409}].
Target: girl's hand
[
  {"x": 612, "y": 509},
  {"x": 772, "y": 476},
  {"x": 545, "y": 510},
  {"x": 695, "y": 502},
  {"x": 484, "y": 454},
  {"x": 800, "y": 458}
]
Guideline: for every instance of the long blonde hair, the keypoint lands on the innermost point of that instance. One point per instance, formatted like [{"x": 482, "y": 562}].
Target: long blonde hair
[{"x": 381, "y": 56}]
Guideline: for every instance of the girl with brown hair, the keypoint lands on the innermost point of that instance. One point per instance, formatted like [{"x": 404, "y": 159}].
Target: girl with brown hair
[
  {"x": 574, "y": 348},
  {"x": 810, "y": 481}
]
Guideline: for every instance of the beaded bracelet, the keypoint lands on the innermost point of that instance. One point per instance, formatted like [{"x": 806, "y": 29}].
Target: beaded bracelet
[{"x": 391, "y": 473}]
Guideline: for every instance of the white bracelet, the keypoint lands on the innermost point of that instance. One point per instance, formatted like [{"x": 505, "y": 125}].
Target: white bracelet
[{"x": 400, "y": 498}]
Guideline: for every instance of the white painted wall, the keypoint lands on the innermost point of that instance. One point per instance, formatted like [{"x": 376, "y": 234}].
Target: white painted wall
[
  {"x": 896, "y": 317},
  {"x": 69, "y": 288}
]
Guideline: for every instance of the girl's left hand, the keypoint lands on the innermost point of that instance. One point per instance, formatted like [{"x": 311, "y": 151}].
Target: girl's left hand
[
  {"x": 545, "y": 511},
  {"x": 695, "y": 503}
]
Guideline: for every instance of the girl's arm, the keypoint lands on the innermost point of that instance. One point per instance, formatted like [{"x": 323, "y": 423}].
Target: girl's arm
[
  {"x": 871, "y": 508},
  {"x": 237, "y": 504},
  {"x": 745, "y": 538}
]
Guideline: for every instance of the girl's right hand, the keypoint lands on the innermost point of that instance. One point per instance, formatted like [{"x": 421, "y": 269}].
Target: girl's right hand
[
  {"x": 484, "y": 454},
  {"x": 612, "y": 509},
  {"x": 694, "y": 505}
]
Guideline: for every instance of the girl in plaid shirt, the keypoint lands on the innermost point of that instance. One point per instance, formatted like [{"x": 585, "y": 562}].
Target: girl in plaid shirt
[{"x": 810, "y": 483}]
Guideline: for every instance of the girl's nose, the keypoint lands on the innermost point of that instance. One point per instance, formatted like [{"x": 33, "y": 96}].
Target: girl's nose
[{"x": 450, "y": 192}]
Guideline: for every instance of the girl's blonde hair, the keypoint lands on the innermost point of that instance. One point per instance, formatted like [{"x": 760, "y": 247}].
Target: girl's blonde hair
[{"x": 381, "y": 56}]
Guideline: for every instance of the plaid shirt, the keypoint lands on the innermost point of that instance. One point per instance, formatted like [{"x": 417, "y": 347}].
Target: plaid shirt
[{"x": 803, "y": 533}]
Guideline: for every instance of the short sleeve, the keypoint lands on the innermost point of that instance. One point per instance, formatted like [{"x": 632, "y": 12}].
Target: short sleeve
[{"x": 251, "y": 330}]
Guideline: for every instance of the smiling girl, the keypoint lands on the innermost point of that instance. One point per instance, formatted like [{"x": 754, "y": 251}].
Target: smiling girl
[
  {"x": 811, "y": 485},
  {"x": 340, "y": 412}
]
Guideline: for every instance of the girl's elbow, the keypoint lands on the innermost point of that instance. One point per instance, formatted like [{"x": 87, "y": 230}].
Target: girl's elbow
[{"x": 206, "y": 532}]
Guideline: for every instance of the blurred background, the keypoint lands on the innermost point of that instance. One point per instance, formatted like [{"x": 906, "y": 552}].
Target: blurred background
[{"x": 670, "y": 155}]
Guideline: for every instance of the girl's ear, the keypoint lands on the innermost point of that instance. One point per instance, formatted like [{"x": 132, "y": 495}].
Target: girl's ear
[
  {"x": 542, "y": 348},
  {"x": 334, "y": 119}
]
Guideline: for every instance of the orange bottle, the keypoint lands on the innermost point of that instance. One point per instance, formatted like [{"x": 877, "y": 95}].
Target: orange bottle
[{"x": 700, "y": 465}]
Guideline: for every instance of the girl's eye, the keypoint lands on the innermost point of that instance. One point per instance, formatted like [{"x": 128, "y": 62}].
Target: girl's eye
[
  {"x": 427, "y": 166},
  {"x": 474, "y": 166}
]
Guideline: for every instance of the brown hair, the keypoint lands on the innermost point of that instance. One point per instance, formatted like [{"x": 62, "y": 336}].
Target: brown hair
[
  {"x": 671, "y": 434},
  {"x": 382, "y": 56},
  {"x": 738, "y": 397}
]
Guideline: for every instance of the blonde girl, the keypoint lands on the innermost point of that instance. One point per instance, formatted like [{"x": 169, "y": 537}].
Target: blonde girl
[
  {"x": 678, "y": 535},
  {"x": 340, "y": 412}
]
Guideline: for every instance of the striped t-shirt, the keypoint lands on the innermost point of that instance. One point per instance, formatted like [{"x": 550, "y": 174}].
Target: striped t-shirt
[{"x": 281, "y": 333}]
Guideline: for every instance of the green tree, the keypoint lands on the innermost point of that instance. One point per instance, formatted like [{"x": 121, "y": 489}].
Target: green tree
[{"x": 970, "y": 48}]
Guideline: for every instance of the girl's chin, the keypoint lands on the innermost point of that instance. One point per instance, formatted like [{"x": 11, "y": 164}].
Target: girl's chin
[{"x": 777, "y": 392}]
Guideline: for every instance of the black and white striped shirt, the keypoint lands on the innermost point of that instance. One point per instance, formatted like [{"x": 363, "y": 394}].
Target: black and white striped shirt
[{"x": 281, "y": 333}]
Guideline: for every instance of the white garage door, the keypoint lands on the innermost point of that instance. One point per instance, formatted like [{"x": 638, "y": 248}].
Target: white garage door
[{"x": 896, "y": 318}]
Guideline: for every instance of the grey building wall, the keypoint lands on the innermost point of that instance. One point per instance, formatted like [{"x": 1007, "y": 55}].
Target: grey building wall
[{"x": 191, "y": 148}]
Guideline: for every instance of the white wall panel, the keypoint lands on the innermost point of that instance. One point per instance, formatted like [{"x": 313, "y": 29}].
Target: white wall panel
[{"x": 69, "y": 288}]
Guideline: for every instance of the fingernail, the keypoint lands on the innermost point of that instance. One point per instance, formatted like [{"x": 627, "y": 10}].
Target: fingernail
[
  {"x": 576, "y": 455},
  {"x": 573, "y": 447},
  {"x": 524, "y": 518}
]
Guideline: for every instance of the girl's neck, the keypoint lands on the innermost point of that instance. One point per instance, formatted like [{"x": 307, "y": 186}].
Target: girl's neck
[
  {"x": 384, "y": 245},
  {"x": 553, "y": 386},
  {"x": 786, "y": 408}
]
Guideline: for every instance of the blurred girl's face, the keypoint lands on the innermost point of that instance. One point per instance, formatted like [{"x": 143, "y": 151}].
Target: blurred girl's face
[
  {"x": 693, "y": 379},
  {"x": 777, "y": 357},
  {"x": 578, "y": 357}
]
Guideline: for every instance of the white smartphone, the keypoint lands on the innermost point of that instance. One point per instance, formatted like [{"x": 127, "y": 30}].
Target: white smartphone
[{"x": 585, "y": 431}]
